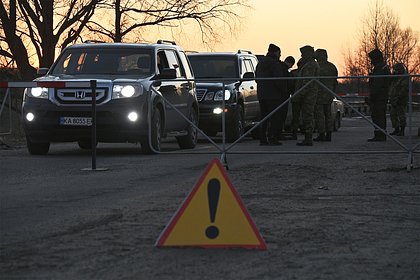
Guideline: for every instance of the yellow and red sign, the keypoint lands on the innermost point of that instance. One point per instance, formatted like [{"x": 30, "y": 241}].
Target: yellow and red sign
[{"x": 212, "y": 216}]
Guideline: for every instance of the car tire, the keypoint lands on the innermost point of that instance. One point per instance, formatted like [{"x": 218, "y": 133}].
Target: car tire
[
  {"x": 37, "y": 148},
  {"x": 337, "y": 122},
  {"x": 236, "y": 127},
  {"x": 189, "y": 141},
  {"x": 156, "y": 135},
  {"x": 85, "y": 144}
]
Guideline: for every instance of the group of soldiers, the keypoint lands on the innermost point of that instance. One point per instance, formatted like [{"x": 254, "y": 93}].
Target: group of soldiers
[{"x": 311, "y": 98}]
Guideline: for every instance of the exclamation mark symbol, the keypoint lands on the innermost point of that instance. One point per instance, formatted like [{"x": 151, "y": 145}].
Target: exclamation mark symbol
[{"x": 213, "y": 193}]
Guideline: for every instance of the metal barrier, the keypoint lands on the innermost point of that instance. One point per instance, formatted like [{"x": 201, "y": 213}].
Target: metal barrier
[
  {"x": 91, "y": 84},
  {"x": 225, "y": 150}
]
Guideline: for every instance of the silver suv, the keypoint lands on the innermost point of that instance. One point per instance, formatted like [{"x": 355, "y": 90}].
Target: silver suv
[{"x": 135, "y": 82}]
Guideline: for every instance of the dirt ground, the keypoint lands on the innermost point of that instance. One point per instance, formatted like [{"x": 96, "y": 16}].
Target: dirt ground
[
  {"x": 344, "y": 218},
  {"x": 335, "y": 217}
]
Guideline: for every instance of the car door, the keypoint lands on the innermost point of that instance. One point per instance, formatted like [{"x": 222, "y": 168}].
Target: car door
[
  {"x": 173, "y": 91},
  {"x": 249, "y": 89}
]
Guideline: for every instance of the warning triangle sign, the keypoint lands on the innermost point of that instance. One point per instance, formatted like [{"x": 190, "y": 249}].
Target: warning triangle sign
[{"x": 212, "y": 216}]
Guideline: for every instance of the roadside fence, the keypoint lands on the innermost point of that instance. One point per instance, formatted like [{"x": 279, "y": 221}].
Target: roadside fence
[{"x": 225, "y": 148}]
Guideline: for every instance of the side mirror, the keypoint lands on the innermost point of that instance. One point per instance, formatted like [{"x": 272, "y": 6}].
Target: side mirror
[
  {"x": 166, "y": 74},
  {"x": 249, "y": 76},
  {"x": 42, "y": 71}
]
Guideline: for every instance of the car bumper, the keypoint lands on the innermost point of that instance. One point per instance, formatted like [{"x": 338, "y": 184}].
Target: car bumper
[
  {"x": 112, "y": 123},
  {"x": 212, "y": 121}
]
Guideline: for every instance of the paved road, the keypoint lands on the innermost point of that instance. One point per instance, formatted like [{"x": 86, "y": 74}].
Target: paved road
[{"x": 60, "y": 222}]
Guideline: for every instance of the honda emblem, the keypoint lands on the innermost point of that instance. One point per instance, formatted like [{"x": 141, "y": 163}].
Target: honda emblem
[{"x": 80, "y": 94}]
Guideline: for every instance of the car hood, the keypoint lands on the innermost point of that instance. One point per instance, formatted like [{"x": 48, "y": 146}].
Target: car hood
[
  {"x": 85, "y": 78},
  {"x": 215, "y": 85}
]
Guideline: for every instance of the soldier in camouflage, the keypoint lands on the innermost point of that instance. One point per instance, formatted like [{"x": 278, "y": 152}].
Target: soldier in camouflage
[
  {"x": 323, "y": 117},
  {"x": 398, "y": 97},
  {"x": 305, "y": 100}
]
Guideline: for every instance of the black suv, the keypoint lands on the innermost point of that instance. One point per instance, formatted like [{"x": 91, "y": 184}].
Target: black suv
[
  {"x": 129, "y": 93},
  {"x": 241, "y": 102}
]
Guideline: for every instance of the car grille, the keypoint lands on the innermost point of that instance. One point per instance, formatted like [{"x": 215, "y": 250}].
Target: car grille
[
  {"x": 79, "y": 96},
  {"x": 200, "y": 93}
]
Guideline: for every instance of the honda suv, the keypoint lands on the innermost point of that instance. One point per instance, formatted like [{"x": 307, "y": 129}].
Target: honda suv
[
  {"x": 218, "y": 76},
  {"x": 137, "y": 85}
]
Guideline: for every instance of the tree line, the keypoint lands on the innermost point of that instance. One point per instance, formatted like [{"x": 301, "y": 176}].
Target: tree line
[{"x": 32, "y": 30}]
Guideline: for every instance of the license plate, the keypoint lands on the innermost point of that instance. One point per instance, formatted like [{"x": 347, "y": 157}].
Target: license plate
[{"x": 76, "y": 121}]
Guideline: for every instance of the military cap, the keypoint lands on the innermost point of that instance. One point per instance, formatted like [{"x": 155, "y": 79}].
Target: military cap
[{"x": 307, "y": 51}]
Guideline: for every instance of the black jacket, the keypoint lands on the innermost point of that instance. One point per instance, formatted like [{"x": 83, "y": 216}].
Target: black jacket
[
  {"x": 271, "y": 67},
  {"x": 379, "y": 87}
]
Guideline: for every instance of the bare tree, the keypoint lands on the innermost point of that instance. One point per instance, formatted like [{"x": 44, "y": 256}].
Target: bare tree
[
  {"x": 129, "y": 19},
  {"x": 381, "y": 29},
  {"x": 43, "y": 25}
]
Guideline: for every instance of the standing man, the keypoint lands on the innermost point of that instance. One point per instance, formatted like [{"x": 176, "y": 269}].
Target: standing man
[
  {"x": 305, "y": 100},
  {"x": 270, "y": 94},
  {"x": 323, "y": 117},
  {"x": 287, "y": 64},
  {"x": 378, "y": 93},
  {"x": 398, "y": 97}
]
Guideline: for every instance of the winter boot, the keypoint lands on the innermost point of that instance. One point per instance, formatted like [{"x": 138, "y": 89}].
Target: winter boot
[
  {"x": 321, "y": 137},
  {"x": 307, "y": 141},
  {"x": 401, "y": 132},
  {"x": 328, "y": 136},
  {"x": 396, "y": 131}
]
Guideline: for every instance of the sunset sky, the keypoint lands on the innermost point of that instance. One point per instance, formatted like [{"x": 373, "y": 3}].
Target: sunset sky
[{"x": 328, "y": 24}]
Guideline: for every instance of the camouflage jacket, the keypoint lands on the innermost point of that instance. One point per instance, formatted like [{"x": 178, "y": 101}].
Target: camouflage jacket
[
  {"x": 308, "y": 68},
  {"x": 398, "y": 91},
  {"x": 326, "y": 68}
]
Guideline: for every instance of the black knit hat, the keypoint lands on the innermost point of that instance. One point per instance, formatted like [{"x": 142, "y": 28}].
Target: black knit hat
[
  {"x": 376, "y": 55},
  {"x": 273, "y": 48}
]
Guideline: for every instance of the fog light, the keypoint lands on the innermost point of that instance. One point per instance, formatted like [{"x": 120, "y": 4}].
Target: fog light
[
  {"x": 133, "y": 116},
  {"x": 217, "y": 111},
  {"x": 30, "y": 117}
]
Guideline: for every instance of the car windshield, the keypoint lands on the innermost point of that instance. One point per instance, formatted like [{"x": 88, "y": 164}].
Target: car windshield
[
  {"x": 80, "y": 61},
  {"x": 214, "y": 66}
]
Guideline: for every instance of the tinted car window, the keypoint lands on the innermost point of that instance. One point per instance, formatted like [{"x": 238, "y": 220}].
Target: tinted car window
[
  {"x": 214, "y": 66},
  {"x": 100, "y": 61}
]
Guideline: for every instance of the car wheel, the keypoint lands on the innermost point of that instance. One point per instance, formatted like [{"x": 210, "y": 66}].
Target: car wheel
[
  {"x": 236, "y": 128},
  {"x": 189, "y": 141},
  {"x": 156, "y": 134},
  {"x": 85, "y": 144},
  {"x": 36, "y": 148},
  {"x": 337, "y": 122}
]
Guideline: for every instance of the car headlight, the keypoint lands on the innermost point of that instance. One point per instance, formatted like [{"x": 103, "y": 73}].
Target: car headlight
[
  {"x": 219, "y": 95},
  {"x": 209, "y": 96},
  {"x": 126, "y": 91},
  {"x": 37, "y": 92}
]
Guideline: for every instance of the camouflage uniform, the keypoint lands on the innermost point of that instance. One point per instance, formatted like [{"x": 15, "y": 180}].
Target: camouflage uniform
[
  {"x": 305, "y": 100},
  {"x": 323, "y": 117},
  {"x": 398, "y": 97}
]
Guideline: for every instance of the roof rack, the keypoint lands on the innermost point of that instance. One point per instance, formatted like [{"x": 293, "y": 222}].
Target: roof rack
[
  {"x": 92, "y": 41},
  {"x": 166, "y": 42},
  {"x": 244, "y": 51}
]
